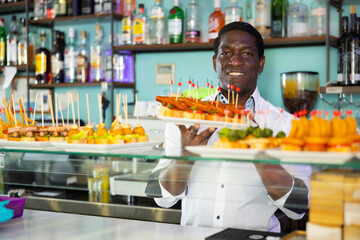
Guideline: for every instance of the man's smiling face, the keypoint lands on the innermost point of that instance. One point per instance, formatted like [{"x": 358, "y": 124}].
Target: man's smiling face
[{"x": 237, "y": 62}]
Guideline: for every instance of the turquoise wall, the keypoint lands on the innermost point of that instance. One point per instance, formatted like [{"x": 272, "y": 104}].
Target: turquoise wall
[{"x": 198, "y": 65}]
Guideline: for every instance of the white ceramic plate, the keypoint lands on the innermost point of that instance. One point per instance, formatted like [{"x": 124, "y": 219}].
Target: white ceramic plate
[
  {"x": 105, "y": 148},
  {"x": 25, "y": 145},
  {"x": 227, "y": 153},
  {"x": 310, "y": 157},
  {"x": 205, "y": 123}
]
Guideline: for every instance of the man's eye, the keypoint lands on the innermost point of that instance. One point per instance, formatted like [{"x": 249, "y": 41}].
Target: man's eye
[
  {"x": 248, "y": 54},
  {"x": 225, "y": 53}
]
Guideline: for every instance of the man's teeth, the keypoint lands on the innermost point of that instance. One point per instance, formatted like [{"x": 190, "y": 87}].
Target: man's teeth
[{"x": 235, "y": 74}]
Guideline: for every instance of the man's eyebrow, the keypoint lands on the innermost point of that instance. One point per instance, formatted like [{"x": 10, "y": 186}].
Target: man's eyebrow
[{"x": 242, "y": 47}]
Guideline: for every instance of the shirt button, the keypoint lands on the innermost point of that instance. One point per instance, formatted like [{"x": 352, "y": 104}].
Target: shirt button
[
  {"x": 222, "y": 185},
  {"x": 218, "y": 217}
]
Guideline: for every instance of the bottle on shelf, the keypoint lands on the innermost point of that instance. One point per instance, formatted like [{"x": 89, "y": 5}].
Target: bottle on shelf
[
  {"x": 11, "y": 44},
  {"x": 50, "y": 12},
  {"x": 87, "y": 7},
  {"x": 216, "y": 21},
  {"x": 233, "y": 13},
  {"x": 74, "y": 7},
  {"x": 157, "y": 24},
  {"x": 175, "y": 24},
  {"x": 298, "y": 19},
  {"x": 40, "y": 9},
  {"x": 108, "y": 62},
  {"x": 57, "y": 60},
  {"x": 98, "y": 6},
  {"x": 83, "y": 63},
  {"x": 119, "y": 7},
  {"x": 140, "y": 34},
  {"x": 43, "y": 62},
  {"x": 250, "y": 12},
  {"x": 263, "y": 17},
  {"x": 342, "y": 78},
  {"x": 279, "y": 18},
  {"x": 97, "y": 62},
  {"x": 23, "y": 54},
  {"x": 119, "y": 67},
  {"x": 352, "y": 46},
  {"x": 318, "y": 18},
  {"x": 71, "y": 58},
  {"x": 107, "y": 6},
  {"x": 192, "y": 32},
  {"x": 2, "y": 43},
  {"x": 60, "y": 8},
  {"x": 126, "y": 21}
]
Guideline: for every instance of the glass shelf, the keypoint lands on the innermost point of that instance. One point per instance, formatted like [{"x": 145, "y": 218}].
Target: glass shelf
[{"x": 94, "y": 84}]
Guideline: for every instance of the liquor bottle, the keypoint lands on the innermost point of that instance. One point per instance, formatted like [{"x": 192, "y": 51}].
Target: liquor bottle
[
  {"x": 50, "y": 12},
  {"x": 119, "y": 7},
  {"x": 175, "y": 23},
  {"x": 318, "y": 18},
  {"x": 216, "y": 21},
  {"x": 83, "y": 63},
  {"x": 108, "y": 62},
  {"x": 40, "y": 9},
  {"x": 127, "y": 23},
  {"x": 23, "y": 54},
  {"x": 74, "y": 7},
  {"x": 106, "y": 6},
  {"x": 233, "y": 13},
  {"x": 298, "y": 19},
  {"x": 341, "y": 54},
  {"x": 43, "y": 62},
  {"x": 98, "y": 6},
  {"x": 87, "y": 7},
  {"x": 11, "y": 43},
  {"x": 140, "y": 35},
  {"x": 193, "y": 33},
  {"x": 250, "y": 12},
  {"x": 157, "y": 24},
  {"x": 57, "y": 60},
  {"x": 97, "y": 68},
  {"x": 2, "y": 43},
  {"x": 71, "y": 58},
  {"x": 352, "y": 46},
  {"x": 263, "y": 17},
  {"x": 119, "y": 67},
  {"x": 60, "y": 8},
  {"x": 279, "y": 18}
]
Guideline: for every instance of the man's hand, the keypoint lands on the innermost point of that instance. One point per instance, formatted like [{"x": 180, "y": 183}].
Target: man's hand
[{"x": 190, "y": 136}]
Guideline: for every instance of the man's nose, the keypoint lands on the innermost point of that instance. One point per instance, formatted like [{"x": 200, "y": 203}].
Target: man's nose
[{"x": 237, "y": 59}]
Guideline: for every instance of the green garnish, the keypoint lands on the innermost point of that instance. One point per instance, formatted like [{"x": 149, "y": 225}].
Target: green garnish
[
  {"x": 223, "y": 133},
  {"x": 280, "y": 134}
]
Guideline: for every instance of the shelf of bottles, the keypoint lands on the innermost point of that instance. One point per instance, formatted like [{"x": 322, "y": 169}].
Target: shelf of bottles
[
  {"x": 20, "y": 68},
  {"x": 93, "y": 84},
  {"x": 14, "y": 7},
  {"x": 47, "y": 22},
  {"x": 340, "y": 89},
  {"x": 269, "y": 43}
]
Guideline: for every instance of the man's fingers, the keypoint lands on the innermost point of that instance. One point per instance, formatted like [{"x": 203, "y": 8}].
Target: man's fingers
[
  {"x": 205, "y": 135},
  {"x": 182, "y": 128},
  {"x": 193, "y": 131}
]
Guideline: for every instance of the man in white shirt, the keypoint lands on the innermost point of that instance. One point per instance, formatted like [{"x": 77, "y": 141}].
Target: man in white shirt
[{"x": 227, "y": 193}]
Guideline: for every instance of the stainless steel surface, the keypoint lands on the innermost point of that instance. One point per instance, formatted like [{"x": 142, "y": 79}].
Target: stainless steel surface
[{"x": 105, "y": 209}]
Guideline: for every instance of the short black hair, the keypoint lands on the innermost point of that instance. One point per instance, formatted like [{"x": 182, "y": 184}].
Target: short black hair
[{"x": 243, "y": 26}]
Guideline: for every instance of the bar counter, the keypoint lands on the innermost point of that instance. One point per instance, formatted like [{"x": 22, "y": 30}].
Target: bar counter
[{"x": 37, "y": 225}]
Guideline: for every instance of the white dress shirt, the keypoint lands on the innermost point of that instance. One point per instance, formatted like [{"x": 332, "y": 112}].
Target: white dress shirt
[{"x": 226, "y": 193}]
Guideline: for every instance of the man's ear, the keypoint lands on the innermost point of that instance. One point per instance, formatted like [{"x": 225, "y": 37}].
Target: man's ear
[
  {"x": 261, "y": 64},
  {"x": 214, "y": 62}
]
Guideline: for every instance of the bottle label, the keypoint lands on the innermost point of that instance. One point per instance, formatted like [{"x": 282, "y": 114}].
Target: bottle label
[
  {"x": 157, "y": 13},
  {"x": 40, "y": 63},
  {"x": 299, "y": 29},
  {"x": 263, "y": 13},
  {"x": 98, "y": 6},
  {"x": 277, "y": 25},
  {"x": 139, "y": 31},
  {"x": 11, "y": 50},
  {"x": 107, "y": 6},
  {"x": 318, "y": 12},
  {"x": 70, "y": 65},
  {"x": 232, "y": 18},
  {"x": 175, "y": 26},
  {"x": 95, "y": 58},
  {"x": 355, "y": 78},
  {"x": 340, "y": 78},
  {"x": 214, "y": 25},
  {"x": 56, "y": 65},
  {"x": 126, "y": 29},
  {"x": 2, "y": 51}
]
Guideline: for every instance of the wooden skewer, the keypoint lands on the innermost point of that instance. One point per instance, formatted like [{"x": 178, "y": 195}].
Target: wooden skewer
[
  {"x": 100, "y": 110},
  {"x": 68, "y": 109},
  {"x": 42, "y": 110},
  {"x": 56, "y": 112},
  {"x": 137, "y": 108},
  {"x": 229, "y": 95},
  {"x": 51, "y": 110},
  {"x": 36, "y": 96},
  {"x": 127, "y": 109},
  {"x": 23, "y": 106},
  {"x": 72, "y": 107},
  {"x": 233, "y": 98},
  {"x": 78, "y": 108},
  {"x": 13, "y": 100},
  {"x": 88, "y": 110},
  {"x": 117, "y": 108},
  {"x": 237, "y": 98},
  {"x": 62, "y": 117},
  {"x": 217, "y": 99}
]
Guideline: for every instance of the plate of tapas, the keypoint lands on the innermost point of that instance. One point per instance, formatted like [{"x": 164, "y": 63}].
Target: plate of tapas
[
  {"x": 225, "y": 153},
  {"x": 310, "y": 157},
  {"x": 25, "y": 145}
]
